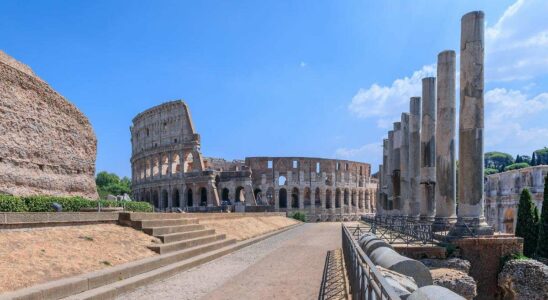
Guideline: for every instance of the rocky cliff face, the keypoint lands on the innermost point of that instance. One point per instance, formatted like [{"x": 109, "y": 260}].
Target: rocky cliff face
[
  {"x": 524, "y": 279},
  {"x": 47, "y": 146}
]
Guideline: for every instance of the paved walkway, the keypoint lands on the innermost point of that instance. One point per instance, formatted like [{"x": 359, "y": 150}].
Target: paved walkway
[{"x": 286, "y": 266}]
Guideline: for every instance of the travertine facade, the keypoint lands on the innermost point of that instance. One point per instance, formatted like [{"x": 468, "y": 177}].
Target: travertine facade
[
  {"x": 169, "y": 171},
  {"x": 502, "y": 192},
  {"x": 47, "y": 146}
]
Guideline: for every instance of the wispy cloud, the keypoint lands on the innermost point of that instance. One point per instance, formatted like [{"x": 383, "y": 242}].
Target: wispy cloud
[{"x": 369, "y": 152}]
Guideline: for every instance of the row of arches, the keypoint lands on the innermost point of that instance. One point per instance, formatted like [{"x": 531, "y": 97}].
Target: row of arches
[
  {"x": 166, "y": 164},
  {"x": 162, "y": 199}
]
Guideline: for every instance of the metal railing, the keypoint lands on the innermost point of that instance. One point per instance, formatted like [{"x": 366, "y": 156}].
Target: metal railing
[{"x": 365, "y": 281}]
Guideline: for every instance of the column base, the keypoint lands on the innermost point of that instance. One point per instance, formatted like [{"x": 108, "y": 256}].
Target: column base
[
  {"x": 426, "y": 219},
  {"x": 467, "y": 227},
  {"x": 443, "y": 223}
]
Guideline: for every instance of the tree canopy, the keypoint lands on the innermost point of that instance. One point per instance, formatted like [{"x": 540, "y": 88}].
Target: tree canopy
[{"x": 110, "y": 183}]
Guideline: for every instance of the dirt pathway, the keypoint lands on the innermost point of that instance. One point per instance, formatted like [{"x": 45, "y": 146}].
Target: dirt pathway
[{"x": 286, "y": 266}]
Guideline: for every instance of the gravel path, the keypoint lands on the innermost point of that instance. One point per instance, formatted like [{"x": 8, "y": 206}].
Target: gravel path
[{"x": 286, "y": 266}]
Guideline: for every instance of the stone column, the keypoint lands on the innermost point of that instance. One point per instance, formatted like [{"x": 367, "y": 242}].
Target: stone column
[
  {"x": 301, "y": 199},
  {"x": 380, "y": 189},
  {"x": 404, "y": 165},
  {"x": 428, "y": 149},
  {"x": 396, "y": 169},
  {"x": 471, "y": 126},
  {"x": 389, "y": 181},
  {"x": 414, "y": 157},
  {"x": 445, "y": 191},
  {"x": 367, "y": 205}
]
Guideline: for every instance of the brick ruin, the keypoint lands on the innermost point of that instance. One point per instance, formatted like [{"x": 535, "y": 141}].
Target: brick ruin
[
  {"x": 47, "y": 146},
  {"x": 169, "y": 171}
]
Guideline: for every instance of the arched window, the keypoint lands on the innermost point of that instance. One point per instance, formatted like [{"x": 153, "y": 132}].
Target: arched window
[
  {"x": 240, "y": 196},
  {"x": 282, "y": 180},
  {"x": 283, "y": 198},
  {"x": 225, "y": 195}
]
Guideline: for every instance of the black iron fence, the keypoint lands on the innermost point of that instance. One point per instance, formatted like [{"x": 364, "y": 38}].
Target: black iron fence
[{"x": 366, "y": 282}]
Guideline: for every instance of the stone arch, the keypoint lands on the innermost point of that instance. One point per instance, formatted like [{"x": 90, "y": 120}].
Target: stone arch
[
  {"x": 175, "y": 164},
  {"x": 147, "y": 197},
  {"x": 165, "y": 197},
  {"x": 176, "y": 198},
  {"x": 317, "y": 198},
  {"x": 155, "y": 199},
  {"x": 239, "y": 196},
  {"x": 188, "y": 162},
  {"x": 203, "y": 196},
  {"x": 189, "y": 198},
  {"x": 346, "y": 197},
  {"x": 164, "y": 164},
  {"x": 337, "y": 198},
  {"x": 155, "y": 167},
  {"x": 282, "y": 198},
  {"x": 225, "y": 194},
  {"x": 295, "y": 198},
  {"x": 328, "y": 198},
  {"x": 270, "y": 196},
  {"x": 147, "y": 168},
  {"x": 307, "y": 197},
  {"x": 258, "y": 196},
  {"x": 508, "y": 221}
]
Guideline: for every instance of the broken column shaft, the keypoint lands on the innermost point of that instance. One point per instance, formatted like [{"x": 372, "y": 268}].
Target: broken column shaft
[
  {"x": 414, "y": 156},
  {"x": 404, "y": 165}
]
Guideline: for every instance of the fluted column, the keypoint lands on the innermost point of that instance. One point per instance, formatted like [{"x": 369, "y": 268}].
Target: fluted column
[
  {"x": 445, "y": 142},
  {"x": 428, "y": 149},
  {"x": 471, "y": 126}
]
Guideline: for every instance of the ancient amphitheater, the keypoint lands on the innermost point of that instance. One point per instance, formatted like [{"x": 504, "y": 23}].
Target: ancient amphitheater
[{"x": 169, "y": 171}]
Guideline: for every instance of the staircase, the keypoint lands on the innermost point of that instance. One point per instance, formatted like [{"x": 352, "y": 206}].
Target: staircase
[{"x": 175, "y": 231}]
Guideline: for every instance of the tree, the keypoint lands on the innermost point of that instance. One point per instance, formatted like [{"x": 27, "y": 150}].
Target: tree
[
  {"x": 542, "y": 243},
  {"x": 542, "y": 156},
  {"x": 497, "y": 160},
  {"x": 526, "y": 226},
  {"x": 111, "y": 184},
  {"x": 518, "y": 159},
  {"x": 534, "y": 160},
  {"x": 526, "y": 159}
]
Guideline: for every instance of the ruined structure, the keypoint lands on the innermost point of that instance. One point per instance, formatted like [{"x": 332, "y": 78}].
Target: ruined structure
[
  {"x": 502, "y": 192},
  {"x": 169, "y": 171},
  {"x": 47, "y": 146}
]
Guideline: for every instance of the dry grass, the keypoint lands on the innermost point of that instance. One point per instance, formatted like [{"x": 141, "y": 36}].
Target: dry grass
[
  {"x": 247, "y": 227},
  {"x": 32, "y": 256}
]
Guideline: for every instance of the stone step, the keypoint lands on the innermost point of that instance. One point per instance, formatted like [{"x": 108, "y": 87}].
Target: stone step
[
  {"x": 179, "y": 236},
  {"x": 164, "y": 222},
  {"x": 120, "y": 287},
  {"x": 138, "y": 216},
  {"x": 181, "y": 245},
  {"x": 155, "y": 231}
]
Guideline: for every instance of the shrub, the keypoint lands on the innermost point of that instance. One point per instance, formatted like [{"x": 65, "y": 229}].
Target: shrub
[
  {"x": 516, "y": 166},
  {"x": 299, "y": 216},
  {"x": 542, "y": 242},
  {"x": 489, "y": 171},
  {"x": 12, "y": 204},
  {"x": 526, "y": 226}
]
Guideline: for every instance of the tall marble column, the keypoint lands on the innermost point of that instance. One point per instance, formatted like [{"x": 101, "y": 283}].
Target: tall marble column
[
  {"x": 471, "y": 124},
  {"x": 389, "y": 181},
  {"x": 404, "y": 165},
  {"x": 445, "y": 142},
  {"x": 414, "y": 157},
  {"x": 384, "y": 187},
  {"x": 396, "y": 169},
  {"x": 428, "y": 149}
]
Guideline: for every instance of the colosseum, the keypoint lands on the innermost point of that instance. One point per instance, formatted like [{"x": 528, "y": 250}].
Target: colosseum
[{"x": 169, "y": 171}]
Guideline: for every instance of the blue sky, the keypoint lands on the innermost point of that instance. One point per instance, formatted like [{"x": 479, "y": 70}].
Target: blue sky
[{"x": 278, "y": 78}]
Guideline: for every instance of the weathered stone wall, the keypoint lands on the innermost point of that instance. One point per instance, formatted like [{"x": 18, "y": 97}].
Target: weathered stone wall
[
  {"x": 502, "y": 192},
  {"x": 47, "y": 146}
]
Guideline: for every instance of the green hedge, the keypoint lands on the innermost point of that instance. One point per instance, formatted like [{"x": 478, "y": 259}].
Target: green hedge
[{"x": 70, "y": 204}]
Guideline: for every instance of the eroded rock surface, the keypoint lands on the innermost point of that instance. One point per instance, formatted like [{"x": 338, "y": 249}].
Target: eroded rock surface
[
  {"x": 524, "y": 279},
  {"x": 457, "y": 281},
  {"x": 451, "y": 263},
  {"x": 47, "y": 145}
]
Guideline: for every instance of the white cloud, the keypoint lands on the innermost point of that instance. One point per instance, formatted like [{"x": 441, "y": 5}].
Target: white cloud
[
  {"x": 506, "y": 120},
  {"x": 369, "y": 152},
  {"x": 389, "y": 101},
  {"x": 516, "y": 45},
  {"x": 302, "y": 64}
]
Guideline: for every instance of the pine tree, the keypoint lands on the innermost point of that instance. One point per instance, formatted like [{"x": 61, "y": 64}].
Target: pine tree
[
  {"x": 518, "y": 159},
  {"x": 526, "y": 226},
  {"x": 542, "y": 243},
  {"x": 534, "y": 160}
]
